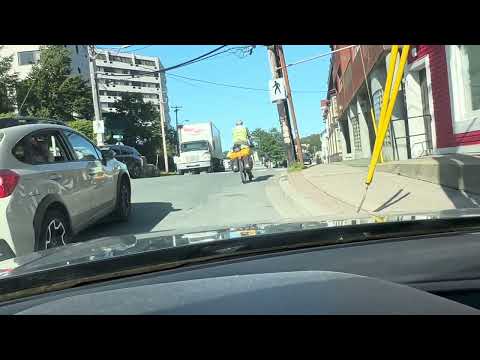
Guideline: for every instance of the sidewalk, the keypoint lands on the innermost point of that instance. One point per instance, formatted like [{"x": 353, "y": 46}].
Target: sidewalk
[{"x": 338, "y": 188}]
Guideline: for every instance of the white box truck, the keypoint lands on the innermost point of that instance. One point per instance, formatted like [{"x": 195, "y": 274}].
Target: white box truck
[{"x": 200, "y": 149}]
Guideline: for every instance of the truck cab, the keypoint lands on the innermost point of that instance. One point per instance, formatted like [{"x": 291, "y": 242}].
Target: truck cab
[
  {"x": 200, "y": 149},
  {"x": 194, "y": 156}
]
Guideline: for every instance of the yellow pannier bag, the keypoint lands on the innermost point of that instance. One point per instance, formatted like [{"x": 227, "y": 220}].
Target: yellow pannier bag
[{"x": 238, "y": 154}]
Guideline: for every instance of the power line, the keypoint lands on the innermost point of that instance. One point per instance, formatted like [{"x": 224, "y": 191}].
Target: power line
[
  {"x": 321, "y": 55},
  {"x": 183, "y": 64},
  {"x": 175, "y": 76},
  {"x": 142, "y": 48},
  {"x": 241, "y": 87},
  {"x": 218, "y": 84},
  {"x": 192, "y": 60}
]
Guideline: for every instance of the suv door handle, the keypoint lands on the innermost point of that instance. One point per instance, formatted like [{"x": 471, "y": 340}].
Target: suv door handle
[{"x": 55, "y": 177}]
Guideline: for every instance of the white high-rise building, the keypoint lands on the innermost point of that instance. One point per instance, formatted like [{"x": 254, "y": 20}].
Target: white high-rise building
[
  {"x": 24, "y": 56},
  {"x": 120, "y": 73}
]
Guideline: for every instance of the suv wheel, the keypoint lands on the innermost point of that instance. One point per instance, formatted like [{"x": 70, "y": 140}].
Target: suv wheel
[
  {"x": 55, "y": 230},
  {"x": 124, "y": 206}
]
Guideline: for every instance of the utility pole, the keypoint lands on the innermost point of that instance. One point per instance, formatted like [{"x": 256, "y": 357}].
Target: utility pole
[
  {"x": 290, "y": 103},
  {"x": 282, "y": 109},
  {"x": 93, "y": 82},
  {"x": 162, "y": 120},
  {"x": 176, "y": 108}
]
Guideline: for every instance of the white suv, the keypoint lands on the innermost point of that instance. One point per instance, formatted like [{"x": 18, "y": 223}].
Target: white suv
[{"x": 54, "y": 182}]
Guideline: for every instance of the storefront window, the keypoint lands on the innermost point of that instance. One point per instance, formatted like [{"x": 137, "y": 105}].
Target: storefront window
[
  {"x": 470, "y": 55},
  {"x": 464, "y": 78}
]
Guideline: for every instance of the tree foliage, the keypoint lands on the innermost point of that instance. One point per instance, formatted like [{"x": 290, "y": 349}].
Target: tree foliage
[
  {"x": 139, "y": 124},
  {"x": 314, "y": 141},
  {"x": 269, "y": 144},
  {"x": 50, "y": 90},
  {"x": 83, "y": 126},
  {"x": 8, "y": 83}
]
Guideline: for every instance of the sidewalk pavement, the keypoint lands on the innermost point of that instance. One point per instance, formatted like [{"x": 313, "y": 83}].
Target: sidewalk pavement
[{"x": 337, "y": 189}]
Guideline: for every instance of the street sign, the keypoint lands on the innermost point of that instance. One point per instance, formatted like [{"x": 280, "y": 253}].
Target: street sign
[
  {"x": 277, "y": 90},
  {"x": 98, "y": 127}
]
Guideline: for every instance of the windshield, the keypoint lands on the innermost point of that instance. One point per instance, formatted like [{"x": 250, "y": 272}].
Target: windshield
[
  {"x": 341, "y": 136},
  {"x": 194, "y": 146}
]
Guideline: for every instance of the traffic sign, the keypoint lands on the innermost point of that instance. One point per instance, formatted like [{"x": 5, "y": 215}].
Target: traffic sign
[
  {"x": 98, "y": 127},
  {"x": 277, "y": 90}
]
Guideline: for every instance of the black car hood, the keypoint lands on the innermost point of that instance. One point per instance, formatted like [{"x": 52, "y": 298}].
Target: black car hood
[{"x": 117, "y": 246}]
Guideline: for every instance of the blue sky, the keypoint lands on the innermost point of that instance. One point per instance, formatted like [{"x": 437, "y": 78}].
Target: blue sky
[{"x": 222, "y": 105}]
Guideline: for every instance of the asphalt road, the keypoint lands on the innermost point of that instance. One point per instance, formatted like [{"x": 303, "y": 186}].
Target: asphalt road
[{"x": 175, "y": 204}]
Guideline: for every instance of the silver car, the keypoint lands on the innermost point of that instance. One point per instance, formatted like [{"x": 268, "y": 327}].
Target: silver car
[{"x": 54, "y": 182}]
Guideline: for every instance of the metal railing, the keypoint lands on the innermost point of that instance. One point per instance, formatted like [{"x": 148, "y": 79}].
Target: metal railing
[{"x": 427, "y": 144}]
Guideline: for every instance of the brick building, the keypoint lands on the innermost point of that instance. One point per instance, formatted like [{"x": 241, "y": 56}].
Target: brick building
[{"x": 437, "y": 109}]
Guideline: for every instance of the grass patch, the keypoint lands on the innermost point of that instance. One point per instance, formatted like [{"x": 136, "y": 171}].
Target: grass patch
[{"x": 296, "y": 166}]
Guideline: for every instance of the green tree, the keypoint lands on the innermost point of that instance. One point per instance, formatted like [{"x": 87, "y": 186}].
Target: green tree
[
  {"x": 8, "y": 83},
  {"x": 314, "y": 141},
  {"x": 269, "y": 144},
  {"x": 50, "y": 90},
  {"x": 139, "y": 123},
  {"x": 83, "y": 126}
]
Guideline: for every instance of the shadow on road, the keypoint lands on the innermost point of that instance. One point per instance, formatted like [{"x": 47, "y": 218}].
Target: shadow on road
[
  {"x": 392, "y": 201},
  {"x": 144, "y": 217},
  {"x": 262, "y": 178}
]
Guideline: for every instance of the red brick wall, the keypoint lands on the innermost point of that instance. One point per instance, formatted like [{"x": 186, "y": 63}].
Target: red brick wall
[{"x": 441, "y": 98}]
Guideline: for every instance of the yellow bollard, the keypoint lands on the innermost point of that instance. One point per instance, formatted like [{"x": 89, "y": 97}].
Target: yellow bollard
[{"x": 385, "y": 121}]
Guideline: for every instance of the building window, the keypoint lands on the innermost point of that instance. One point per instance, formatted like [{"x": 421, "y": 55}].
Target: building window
[
  {"x": 76, "y": 48},
  {"x": 377, "y": 97},
  {"x": 144, "y": 62},
  {"x": 79, "y": 71},
  {"x": 122, "y": 59},
  {"x": 357, "y": 141},
  {"x": 464, "y": 70},
  {"x": 28, "y": 57}
]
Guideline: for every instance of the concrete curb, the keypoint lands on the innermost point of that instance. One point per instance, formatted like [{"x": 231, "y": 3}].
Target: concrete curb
[
  {"x": 312, "y": 201},
  {"x": 457, "y": 171}
]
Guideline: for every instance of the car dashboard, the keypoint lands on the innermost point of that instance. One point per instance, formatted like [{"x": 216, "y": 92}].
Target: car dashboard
[{"x": 417, "y": 275}]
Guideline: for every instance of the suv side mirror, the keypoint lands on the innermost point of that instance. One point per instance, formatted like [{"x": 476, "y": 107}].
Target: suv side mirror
[{"x": 108, "y": 155}]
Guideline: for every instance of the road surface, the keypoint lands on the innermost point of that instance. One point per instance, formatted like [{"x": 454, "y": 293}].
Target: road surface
[{"x": 175, "y": 204}]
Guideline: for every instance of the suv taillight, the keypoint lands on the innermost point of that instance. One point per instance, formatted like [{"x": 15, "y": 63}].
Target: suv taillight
[{"x": 8, "y": 182}]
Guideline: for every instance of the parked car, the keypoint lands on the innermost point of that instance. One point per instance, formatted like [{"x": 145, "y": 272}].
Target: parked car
[
  {"x": 307, "y": 159},
  {"x": 130, "y": 156},
  {"x": 54, "y": 182}
]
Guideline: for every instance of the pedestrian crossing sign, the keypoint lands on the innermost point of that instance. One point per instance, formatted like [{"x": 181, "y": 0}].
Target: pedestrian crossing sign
[{"x": 277, "y": 90}]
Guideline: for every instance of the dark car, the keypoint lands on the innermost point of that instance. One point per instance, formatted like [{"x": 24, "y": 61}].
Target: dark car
[
  {"x": 307, "y": 159},
  {"x": 129, "y": 156}
]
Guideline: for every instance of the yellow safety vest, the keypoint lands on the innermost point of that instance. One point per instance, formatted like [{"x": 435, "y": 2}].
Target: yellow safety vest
[{"x": 240, "y": 135}]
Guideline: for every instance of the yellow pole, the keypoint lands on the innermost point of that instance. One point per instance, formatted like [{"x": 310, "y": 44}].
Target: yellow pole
[
  {"x": 375, "y": 129},
  {"x": 388, "y": 86},
  {"x": 384, "y": 122}
]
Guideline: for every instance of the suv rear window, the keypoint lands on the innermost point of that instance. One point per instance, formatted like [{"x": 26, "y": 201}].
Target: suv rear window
[{"x": 39, "y": 149}]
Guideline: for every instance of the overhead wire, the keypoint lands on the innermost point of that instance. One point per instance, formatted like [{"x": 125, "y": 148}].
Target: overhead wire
[
  {"x": 321, "y": 55},
  {"x": 224, "y": 84},
  {"x": 153, "y": 72}
]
